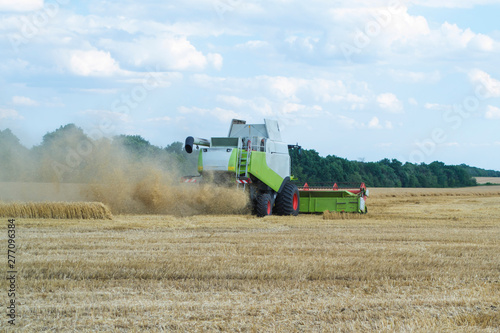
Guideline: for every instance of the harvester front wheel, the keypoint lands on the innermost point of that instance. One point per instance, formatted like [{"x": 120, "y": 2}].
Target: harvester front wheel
[
  {"x": 263, "y": 205},
  {"x": 288, "y": 201}
]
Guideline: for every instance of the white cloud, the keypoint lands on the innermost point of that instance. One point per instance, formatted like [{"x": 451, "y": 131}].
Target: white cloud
[
  {"x": 492, "y": 112},
  {"x": 452, "y": 3},
  {"x": 288, "y": 90},
  {"x": 164, "y": 119},
  {"x": 24, "y": 101},
  {"x": 390, "y": 102},
  {"x": 10, "y": 114},
  {"x": 329, "y": 90},
  {"x": 191, "y": 110},
  {"x": 285, "y": 94},
  {"x": 449, "y": 40},
  {"x": 20, "y": 5},
  {"x": 111, "y": 116},
  {"x": 165, "y": 51},
  {"x": 450, "y": 144},
  {"x": 290, "y": 108},
  {"x": 483, "y": 43},
  {"x": 398, "y": 32},
  {"x": 14, "y": 65},
  {"x": 223, "y": 115},
  {"x": 280, "y": 60},
  {"x": 378, "y": 32},
  {"x": 215, "y": 60},
  {"x": 488, "y": 87},
  {"x": 55, "y": 102},
  {"x": 347, "y": 122},
  {"x": 459, "y": 38},
  {"x": 437, "y": 107},
  {"x": 233, "y": 101},
  {"x": 256, "y": 105},
  {"x": 285, "y": 86},
  {"x": 254, "y": 45},
  {"x": 152, "y": 79},
  {"x": 135, "y": 24},
  {"x": 100, "y": 91},
  {"x": 105, "y": 123},
  {"x": 305, "y": 45},
  {"x": 179, "y": 54},
  {"x": 406, "y": 76},
  {"x": 92, "y": 63},
  {"x": 374, "y": 123}
]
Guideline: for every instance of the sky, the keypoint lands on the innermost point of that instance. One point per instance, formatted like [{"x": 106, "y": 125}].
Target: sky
[{"x": 415, "y": 80}]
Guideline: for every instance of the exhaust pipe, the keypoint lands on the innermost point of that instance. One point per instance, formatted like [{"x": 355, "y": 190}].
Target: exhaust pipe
[{"x": 191, "y": 142}]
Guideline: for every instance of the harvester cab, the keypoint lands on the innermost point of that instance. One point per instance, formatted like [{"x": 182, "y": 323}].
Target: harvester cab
[{"x": 253, "y": 157}]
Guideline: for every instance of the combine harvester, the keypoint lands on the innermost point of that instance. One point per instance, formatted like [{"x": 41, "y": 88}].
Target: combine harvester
[{"x": 254, "y": 158}]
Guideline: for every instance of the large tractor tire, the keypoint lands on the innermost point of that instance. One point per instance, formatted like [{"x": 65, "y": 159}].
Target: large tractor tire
[
  {"x": 288, "y": 201},
  {"x": 263, "y": 205}
]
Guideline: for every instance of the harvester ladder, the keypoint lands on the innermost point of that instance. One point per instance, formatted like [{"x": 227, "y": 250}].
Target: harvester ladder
[{"x": 243, "y": 162}]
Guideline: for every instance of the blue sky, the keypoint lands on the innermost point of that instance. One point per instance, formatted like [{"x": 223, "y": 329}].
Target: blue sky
[{"x": 416, "y": 80}]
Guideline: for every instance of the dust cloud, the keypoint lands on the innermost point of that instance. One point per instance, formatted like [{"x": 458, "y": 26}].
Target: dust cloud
[
  {"x": 157, "y": 193},
  {"x": 135, "y": 178}
]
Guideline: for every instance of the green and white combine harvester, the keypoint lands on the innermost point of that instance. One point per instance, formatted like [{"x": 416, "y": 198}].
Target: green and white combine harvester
[{"x": 254, "y": 158}]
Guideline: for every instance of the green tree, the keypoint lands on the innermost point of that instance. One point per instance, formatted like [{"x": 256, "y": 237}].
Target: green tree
[
  {"x": 175, "y": 148},
  {"x": 136, "y": 145},
  {"x": 16, "y": 164},
  {"x": 311, "y": 167},
  {"x": 62, "y": 154}
]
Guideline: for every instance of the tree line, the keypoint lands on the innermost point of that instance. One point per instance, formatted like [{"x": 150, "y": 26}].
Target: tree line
[
  {"x": 308, "y": 165},
  {"x": 69, "y": 155}
]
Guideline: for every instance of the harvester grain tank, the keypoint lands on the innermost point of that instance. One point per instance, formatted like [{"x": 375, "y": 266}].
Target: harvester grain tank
[{"x": 254, "y": 157}]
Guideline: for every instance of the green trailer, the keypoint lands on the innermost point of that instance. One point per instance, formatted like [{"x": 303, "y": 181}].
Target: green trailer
[{"x": 339, "y": 197}]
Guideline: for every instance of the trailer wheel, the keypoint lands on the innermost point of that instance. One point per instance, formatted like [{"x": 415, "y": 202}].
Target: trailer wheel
[
  {"x": 288, "y": 201},
  {"x": 263, "y": 205}
]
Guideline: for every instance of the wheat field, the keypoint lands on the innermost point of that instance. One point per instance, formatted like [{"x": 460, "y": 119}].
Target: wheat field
[
  {"x": 421, "y": 261},
  {"x": 486, "y": 180},
  {"x": 55, "y": 210}
]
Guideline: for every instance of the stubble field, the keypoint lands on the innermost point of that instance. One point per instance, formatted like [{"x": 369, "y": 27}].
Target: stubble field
[{"x": 420, "y": 261}]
